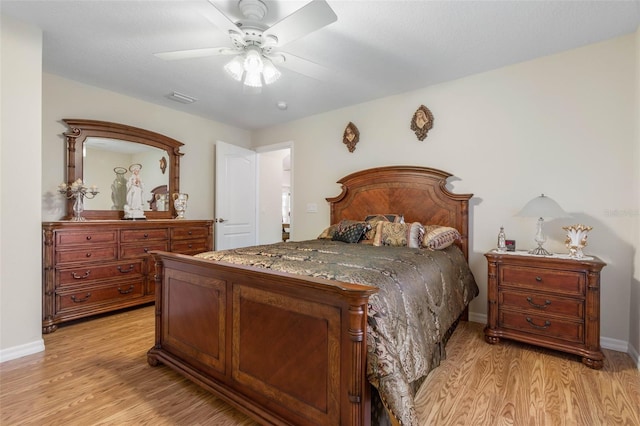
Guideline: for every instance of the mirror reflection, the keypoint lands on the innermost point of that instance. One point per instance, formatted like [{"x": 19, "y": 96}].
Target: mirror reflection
[{"x": 112, "y": 165}]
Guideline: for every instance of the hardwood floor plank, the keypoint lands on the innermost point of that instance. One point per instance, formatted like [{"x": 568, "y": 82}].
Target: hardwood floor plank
[{"x": 95, "y": 373}]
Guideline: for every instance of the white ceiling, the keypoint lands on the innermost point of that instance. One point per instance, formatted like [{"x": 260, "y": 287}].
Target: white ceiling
[{"x": 376, "y": 48}]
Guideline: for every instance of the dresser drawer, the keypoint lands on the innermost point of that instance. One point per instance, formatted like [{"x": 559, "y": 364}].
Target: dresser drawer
[
  {"x": 566, "y": 282},
  {"x": 530, "y": 301},
  {"x": 547, "y": 326},
  {"x": 86, "y": 274},
  {"x": 135, "y": 235},
  {"x": 80, "y": 299},
  {"x": 64, "y": 238},
  {"x": 136, "y": 251},
  {"x": 189, "y": 232},
  {"x": 88, "y": 254},
  {"x": 189, "y": 246}
]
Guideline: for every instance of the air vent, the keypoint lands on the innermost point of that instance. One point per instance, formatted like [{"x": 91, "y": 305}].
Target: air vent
[{"x": 182, "y": 98}]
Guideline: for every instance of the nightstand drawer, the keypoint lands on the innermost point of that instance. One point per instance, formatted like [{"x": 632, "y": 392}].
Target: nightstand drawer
[
  {"x": 546, "y": 326},
  {"x": 541, "y": 303},
  {"x": 566, "y": 282}
]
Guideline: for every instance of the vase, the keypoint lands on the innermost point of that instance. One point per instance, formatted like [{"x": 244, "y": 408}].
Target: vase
[
  {"x": 180, "y": 204},
  {"x": 576, "y": 239},
  {"x": 78, "y": 207},
  {"x": 119, "y": 189}
]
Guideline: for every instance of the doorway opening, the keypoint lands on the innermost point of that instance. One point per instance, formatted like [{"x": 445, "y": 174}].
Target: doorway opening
[{"x": 275, "y": 189}]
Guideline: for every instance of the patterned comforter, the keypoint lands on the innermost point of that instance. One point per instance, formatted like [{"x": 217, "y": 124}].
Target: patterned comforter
[{"x": 421, "y": 294}]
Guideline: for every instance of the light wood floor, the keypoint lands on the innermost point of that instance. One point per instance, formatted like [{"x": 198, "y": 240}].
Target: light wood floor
[{"x": 95, "y": 373}]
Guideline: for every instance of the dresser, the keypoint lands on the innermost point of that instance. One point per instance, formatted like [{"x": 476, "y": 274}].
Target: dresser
[
  {"x": 100, "y": 266},
  {"x": 552, "y": 302}
]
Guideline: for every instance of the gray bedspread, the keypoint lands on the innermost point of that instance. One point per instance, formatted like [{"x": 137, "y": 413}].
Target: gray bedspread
[{"x": 421, "y": 294}]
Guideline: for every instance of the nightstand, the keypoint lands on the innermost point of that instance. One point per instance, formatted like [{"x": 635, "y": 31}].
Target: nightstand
[{"x": 546, "y": 301}]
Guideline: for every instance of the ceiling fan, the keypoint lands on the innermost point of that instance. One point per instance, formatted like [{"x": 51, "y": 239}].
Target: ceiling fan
[{"x": 256, "y": 46}]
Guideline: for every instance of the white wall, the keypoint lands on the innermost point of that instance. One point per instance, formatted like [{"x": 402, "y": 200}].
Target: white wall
[
  {"x": 20, "y": 185},
  {"x": 562, "y": 125},
  {"x": 62, "y": 98}
]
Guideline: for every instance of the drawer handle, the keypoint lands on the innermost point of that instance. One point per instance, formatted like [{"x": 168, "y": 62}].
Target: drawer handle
[
  {"x": 129, "y": 290},
  {"x": 80, "y": 277},
  {"x": 146, "y": 250},
  {"x": 535, "y": 305},
  {"x": 124, "y": 271},
  {"x": 539, "y": 279},
  {"x": 73, "y": 297},
  {"x": 146, "y": 235},
  {"x": 88, "y": 237},
  {"x": 546, "y": 325},
  {"x": 88, "y": 254},
  {"x": 189, "y": 232}
]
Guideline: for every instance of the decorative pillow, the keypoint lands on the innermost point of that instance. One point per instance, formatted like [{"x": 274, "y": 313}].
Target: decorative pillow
[
  {"x": 437, "y": 237},
  {"x": 373, "y": 220},
  {"x": 398, "y": 234},
  {"x": 395, "y": 218},
  {"x": 328, "y": 233},
  {"x": 350, "y": 232}
]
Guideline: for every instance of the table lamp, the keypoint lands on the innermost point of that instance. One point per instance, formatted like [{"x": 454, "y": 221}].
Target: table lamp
[{"x": 541, "y": 207}]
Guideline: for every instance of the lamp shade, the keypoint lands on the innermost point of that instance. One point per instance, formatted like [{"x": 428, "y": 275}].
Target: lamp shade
[
  {"x": 542, "y": 206},
  {"x": 251, "y": 68}
]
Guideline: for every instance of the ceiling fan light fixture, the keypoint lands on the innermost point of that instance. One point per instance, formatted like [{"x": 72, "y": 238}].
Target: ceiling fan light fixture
[
  {"x": 235, "y": 68},
  {"x": 270, "y": 73},
  {"x": 253, "y": 61},
  {"x": 252, "y": 79}
]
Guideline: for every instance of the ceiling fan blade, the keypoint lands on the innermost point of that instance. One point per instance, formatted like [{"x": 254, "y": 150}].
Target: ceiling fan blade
[
  {"x": 220, "y": 20},
  {"x": 307, "y": 19},
  {"x": 301, "y": 66},
  {"x": 195, "y": 53}
]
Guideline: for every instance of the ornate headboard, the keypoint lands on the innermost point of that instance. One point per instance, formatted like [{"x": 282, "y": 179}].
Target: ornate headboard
[{"x": 419, "y": 193}]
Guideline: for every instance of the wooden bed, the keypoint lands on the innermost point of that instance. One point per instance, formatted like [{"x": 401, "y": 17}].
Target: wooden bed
[{"x": 238, "y": 331}]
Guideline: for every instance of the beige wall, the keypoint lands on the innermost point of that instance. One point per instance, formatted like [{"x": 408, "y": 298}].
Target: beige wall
[
  {"x": 562, "y": 125},
  {"x": 634, "y": 300},
  {"x": 62, "y": 98},
  {"x": 33, "y": 104},
  {"x": 20, "y": 152}
]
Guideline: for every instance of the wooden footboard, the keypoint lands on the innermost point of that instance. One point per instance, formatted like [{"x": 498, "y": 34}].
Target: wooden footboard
[{"x": 285, "y": 349}]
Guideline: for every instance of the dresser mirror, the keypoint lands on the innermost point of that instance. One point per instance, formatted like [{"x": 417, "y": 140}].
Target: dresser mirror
[{"x": 105, "y": 154}]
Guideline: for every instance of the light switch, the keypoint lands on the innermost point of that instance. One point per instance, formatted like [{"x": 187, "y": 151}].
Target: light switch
[{"x": 312, "y": 208}]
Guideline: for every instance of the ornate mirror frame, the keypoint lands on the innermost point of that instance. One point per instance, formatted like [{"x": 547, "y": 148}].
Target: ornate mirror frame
[{"x": 80, "y": 130}]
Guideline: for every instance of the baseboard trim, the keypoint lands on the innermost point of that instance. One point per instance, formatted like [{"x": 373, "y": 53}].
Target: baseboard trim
[
  {"x": 633, "y": 353},
  {"x": 21, "y": 350}
]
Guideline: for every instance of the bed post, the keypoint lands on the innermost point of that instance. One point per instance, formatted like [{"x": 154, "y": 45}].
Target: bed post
[
  {"x": 152, "y": 360},
  {"x": 358, "y": 393}
]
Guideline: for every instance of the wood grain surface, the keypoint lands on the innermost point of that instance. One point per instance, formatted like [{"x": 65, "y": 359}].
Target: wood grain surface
[{"x": 95, "y": 372}]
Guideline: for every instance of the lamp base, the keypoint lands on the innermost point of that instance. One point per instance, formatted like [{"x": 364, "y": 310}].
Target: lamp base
[{"x": 539, "y": 251}]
